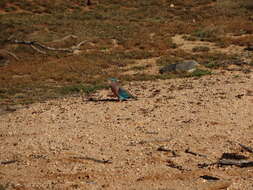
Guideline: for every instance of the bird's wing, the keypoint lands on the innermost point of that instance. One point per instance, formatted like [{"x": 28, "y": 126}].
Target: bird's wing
[{"x": 123, "y": 93}]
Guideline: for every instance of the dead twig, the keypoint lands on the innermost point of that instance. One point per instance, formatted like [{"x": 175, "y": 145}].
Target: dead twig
[
  {"x": 247, "y": 148},
  {"x": 239, "y": 163},
  {"x": 208, "y": 177},
  {"x": 79, "y": 72},
  {"x": 65, "y": 38},
  {"x": 80, "y": 44},
  {"x": 164, "y": 149},
  {"x": 150, "y": 141},
  {"x": 173, "y": 165},
  {"x": 230, "y": 159},
  {"x": 8, "y": 162},
  {"x": 42, "y": 52},
  {"x": 204, "y": 165},
  {"x": 36, "y": 45},
  {"x": 12, "y": 54},
  {"x": 93, "y": 159},
  {"x": 194, "y": 153}
]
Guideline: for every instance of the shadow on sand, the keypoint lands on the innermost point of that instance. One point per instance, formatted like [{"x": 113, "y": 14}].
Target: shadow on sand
[{"x": 102, "y": 100}]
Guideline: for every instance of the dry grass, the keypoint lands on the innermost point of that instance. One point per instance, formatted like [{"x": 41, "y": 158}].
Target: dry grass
[{"x": 118, "y": 33}]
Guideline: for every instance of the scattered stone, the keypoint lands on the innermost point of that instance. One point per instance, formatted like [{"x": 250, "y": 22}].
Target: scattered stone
[
  {"x": 249, "y": 48},
  {"x": 233, "y": 156},
  {"x": 9, "y": 108},
  {"x": 186, "y": 66},
  {"x": 240, "y": 163},
  {"x": 165, "y": 149},
  {"x": 207, "y": 177},
  {"x": 230, "y": 159},
  {"x": 194, "y": 153},
  {"x": 214, "y": 185},
  {"x": 239, "y": 96},
  {"x": 94, "y": 159},
  {"x": 171, "y": 164},
  {"x": 3, "y": 61},
  {"x": 8, "y": 162},
  {"x": 249, "y": 93}
]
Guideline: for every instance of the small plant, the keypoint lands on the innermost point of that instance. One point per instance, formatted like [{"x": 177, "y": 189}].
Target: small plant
[
  {"x": 203, "y": 33},
  {"x": 200, "y": 49},
  {"x": 212, "y": 65},
  {"x": 199, "y": 73},
  {"x": 169, "y": 42},
  {"x": 189, "y": 38},
  {"x": 9, "y": 9},
  {"x": 141, "y": 67},
  {"x": 167, "y": 59},
  {"x": 79, "y": 88},
  {"x": 4, "y": 187},
  {"x": 206, "y": 34}
]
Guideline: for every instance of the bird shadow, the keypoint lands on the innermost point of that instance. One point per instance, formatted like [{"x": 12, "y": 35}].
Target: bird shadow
[{"x": 102, "y": 100}]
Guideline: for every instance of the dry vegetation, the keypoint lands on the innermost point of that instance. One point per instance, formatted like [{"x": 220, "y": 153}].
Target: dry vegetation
[
  {"x": 175, "y": 132},
  {"x": 118, "y": 34}
]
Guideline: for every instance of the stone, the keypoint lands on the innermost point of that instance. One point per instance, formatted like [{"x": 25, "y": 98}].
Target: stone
[
  {"x": 181, "y": 67},
  {"x": 249, "y": 48}
]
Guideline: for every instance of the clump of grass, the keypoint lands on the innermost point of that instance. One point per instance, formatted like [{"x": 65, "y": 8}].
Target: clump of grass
[
  {"x": 205, "y": 34},
  {"x": 169, "y": 42},
  {"x": 79, "y": 88},
  {"x": 232, "y": 8},
  {"x": 216, "y": 60},
  {"x": 4, "y": 187},
  {"x": 139, "y": 77},
  {"x": 130, "y": 23},
  {"x": 137, "y": 54},
  {"x": 199, "y": 73},
  {"x": 241, "y": 41},
  {"x": 10, "y": 9},
  {"x": 138, "y": 68},
  {"x": 167, "y": 59},
  {"x": 200, "y": 49},
  {"x": 236, "y": 76},
  {"x": 189, "y": 38},
  {"x": 212, "y": 65}
]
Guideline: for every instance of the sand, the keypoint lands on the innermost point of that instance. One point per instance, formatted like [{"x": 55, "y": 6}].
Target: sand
[{"x": 72, "y": 143}]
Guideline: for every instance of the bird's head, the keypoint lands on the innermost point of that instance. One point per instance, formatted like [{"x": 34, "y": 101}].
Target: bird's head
[{"x": 113, "y": 80}]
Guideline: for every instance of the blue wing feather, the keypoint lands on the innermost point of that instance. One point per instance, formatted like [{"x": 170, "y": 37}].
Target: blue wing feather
[{"x": 124, "y": 94}]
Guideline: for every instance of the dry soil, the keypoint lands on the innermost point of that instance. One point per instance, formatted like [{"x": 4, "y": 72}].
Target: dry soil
[{"x": 72, "y": 143}]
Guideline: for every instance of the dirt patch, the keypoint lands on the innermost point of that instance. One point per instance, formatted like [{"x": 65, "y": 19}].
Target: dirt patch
[
  {"x": 143, "y": 66},
  {"x": 76, "y": 144},
  {"x": 188, "y": 46}
]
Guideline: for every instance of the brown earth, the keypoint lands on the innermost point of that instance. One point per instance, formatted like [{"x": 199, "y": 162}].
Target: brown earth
[
  {"x": 157, "y": 142},
  {"x": 73, "y": 143}
]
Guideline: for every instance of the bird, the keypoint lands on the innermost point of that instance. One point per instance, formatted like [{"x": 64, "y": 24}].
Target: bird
[{"x": 121, "y": 93}]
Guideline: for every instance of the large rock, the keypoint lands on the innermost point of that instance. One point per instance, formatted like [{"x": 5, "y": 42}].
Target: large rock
[{"x": 181, "y": 67}]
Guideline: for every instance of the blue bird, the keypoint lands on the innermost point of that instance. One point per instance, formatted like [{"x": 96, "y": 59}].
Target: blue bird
[{"x": 121, "y": 93}]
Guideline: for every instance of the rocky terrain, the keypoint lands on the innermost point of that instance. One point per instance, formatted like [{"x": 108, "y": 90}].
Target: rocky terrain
[
  {"x": 159, "y": 141},
  {"x": 61, "y": 128}
]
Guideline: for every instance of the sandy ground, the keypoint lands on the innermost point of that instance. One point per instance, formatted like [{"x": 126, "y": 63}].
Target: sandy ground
[{"x": 76, "y": 144}]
